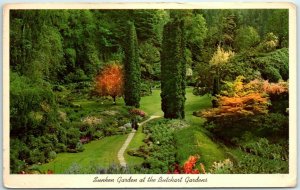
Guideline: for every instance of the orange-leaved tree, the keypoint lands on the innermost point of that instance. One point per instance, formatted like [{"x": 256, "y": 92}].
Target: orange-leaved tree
[
  {"x": 110, "y": 81},
  {"x": 244, "y": 99}
]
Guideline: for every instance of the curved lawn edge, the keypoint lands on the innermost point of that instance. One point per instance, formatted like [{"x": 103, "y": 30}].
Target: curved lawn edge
[{"x": 99, "y": 153}]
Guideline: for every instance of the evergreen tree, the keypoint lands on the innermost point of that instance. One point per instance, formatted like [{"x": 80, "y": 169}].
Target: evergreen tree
[
  {"x": 173, "y": 70},
  {"x": 132, "y": 69}
]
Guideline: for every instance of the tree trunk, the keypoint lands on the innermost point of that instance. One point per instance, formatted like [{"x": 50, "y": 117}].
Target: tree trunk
[{"x": 114, "y": 97}]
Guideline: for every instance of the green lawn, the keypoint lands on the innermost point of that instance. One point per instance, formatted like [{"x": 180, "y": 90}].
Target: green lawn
[
  {"x": 100, "y": 153},
  {"x": 152, "y": 104},
  {"x": 194, "y": 139}
]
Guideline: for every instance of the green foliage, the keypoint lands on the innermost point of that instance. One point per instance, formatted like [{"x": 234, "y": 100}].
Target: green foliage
[
  {"x": 246, "y": 38},
  {"x": 278, "y": 23},
  {"x": 145, "y": 22},
  {"x": 272, "y": 125},
  {"x": 73, "y": 135},
  {"x": 269, "y": 43},
  {"x": 18, "y": 152},
  {"x": 132, "y": 69},
  {"x": 196, "y": 30},
  {"x": 161, "y": 155},
  {"x": 37, "y": 48},
  {"x": 263, "y": 149},
  {"x": 149, "y": 60},
  {"x": 173, "y": 70},
  {"x": 274, "y": 65},
  {"x": 32, "y": 108},
  {"x": 146, "y": 88},
  {"x": 263, "y": 157},
  {"x": 196, "y": 33}
]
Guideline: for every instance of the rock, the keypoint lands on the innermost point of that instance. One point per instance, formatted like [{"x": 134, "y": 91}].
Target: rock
[{"x": 127, "y": 125}]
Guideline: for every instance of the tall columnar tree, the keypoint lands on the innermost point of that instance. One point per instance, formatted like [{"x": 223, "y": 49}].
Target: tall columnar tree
[
  {"x": 132, "y": 68},
  {"x": 173, "y": 70}
]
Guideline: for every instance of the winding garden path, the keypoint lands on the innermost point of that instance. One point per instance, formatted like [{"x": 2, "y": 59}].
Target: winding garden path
[{"x": 128, "y": 140}]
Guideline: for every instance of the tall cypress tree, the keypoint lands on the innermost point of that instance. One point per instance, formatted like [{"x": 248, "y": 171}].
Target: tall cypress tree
[
  {"x": 173, "y": 70},
  {"x": 132, "y": 69}
]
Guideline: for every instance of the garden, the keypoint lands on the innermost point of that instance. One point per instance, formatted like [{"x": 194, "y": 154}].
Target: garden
[{"x": 149, "y": 91}]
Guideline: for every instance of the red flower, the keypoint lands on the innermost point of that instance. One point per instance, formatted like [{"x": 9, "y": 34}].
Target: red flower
[{"x": 189, "y": 167}]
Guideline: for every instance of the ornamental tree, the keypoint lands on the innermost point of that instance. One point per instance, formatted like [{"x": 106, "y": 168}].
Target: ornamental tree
[
  {"x": 110, "y": 81},
  {"x": 240, "y": 99},
  {"x": 132, "y": 69},
  {"x": 217, "y": 62},
  {"x": 173, "y": 70}
]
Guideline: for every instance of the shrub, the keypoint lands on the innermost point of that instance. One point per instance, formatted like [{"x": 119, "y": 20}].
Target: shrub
[
  {"x": 98, "y": 134},
  {"x": 74, "y": 169},
  {"x": 263, "y": 149},
  {"x": 61, "y": 148},
  {"x": 272, "y": 125},
  {"x": 146, "y": 89},
  {"x": 109, "y": 131},
  {"x": 52, "y": 155},
  {"x": 137, "y": 112},
  {"x": 160, "y": 152},
  {"x": 36, "y": 156},
  {"x": 273, "y": 66},
  {"x": 251, "y": 164},
  {"x": 79, "y": 147},
  {"x": 222, "y": 167},
  {"x": 189, "y": 167},
  {"x": 73, "y": 135}
]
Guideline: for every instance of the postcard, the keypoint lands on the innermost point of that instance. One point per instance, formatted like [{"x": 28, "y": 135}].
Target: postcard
[{"x": 149, "y": 95}]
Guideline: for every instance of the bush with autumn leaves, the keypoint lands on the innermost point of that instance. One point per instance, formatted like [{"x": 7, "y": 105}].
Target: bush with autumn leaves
[{"x": 248, "y": 106}]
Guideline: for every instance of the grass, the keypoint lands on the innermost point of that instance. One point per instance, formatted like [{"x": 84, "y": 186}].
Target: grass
[
  {"x": 195, "y": 139},
  {"x": 152, "y": 104},
  {"x": 100, "y": 153}
]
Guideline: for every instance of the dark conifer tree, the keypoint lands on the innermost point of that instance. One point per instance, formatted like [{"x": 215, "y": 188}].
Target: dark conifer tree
[
  {"x": 173, "y": 70},
  {"x": 132, "y": 68}
]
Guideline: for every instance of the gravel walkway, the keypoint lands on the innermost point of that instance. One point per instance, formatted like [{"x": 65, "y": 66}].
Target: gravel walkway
[{"x": 128, "y": 140}]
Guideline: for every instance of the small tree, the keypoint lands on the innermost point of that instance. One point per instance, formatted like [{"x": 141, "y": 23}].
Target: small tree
[
  {"x": 218, "y": 60},
  {"x": 110, "y": 81}
]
